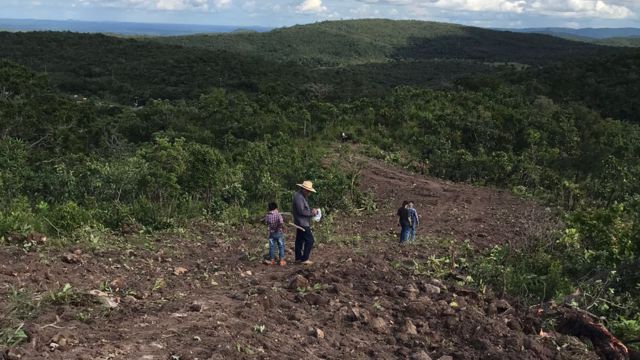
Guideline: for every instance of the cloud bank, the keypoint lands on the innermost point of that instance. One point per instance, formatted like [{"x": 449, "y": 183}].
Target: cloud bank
[{"x": 606, "y": 9}]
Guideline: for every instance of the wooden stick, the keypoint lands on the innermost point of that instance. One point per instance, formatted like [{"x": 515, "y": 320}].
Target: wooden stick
[{"x": 296, "y": 226}]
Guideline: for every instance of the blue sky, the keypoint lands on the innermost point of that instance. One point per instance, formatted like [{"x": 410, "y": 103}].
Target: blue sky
[{"x": 275, "y": 13}]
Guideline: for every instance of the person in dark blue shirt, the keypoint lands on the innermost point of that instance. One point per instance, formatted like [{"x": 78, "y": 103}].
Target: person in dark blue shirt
[
  {"x": 302, "y": 215},
  {"x": 404, "y": 221}
]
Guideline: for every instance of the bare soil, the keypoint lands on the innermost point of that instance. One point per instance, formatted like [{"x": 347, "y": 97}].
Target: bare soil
[
  {"x": 484, "y": 216},
  {"x": 205, "y": 294}
]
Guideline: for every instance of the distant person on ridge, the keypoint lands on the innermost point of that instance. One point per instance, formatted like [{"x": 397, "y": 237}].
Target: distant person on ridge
[
  {"x": 415, "y": 221},
  {"x": 275, "y": 224},
  {"x": 404, "y": 220},
  {"x": 302, "y": 215}
]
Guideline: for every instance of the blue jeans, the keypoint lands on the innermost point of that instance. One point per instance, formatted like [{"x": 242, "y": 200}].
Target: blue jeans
[
  {"x": 405, "y": 233},
  {"x": 276, "y": 239},
  {"x": 304, "y": 244},
  {"x": 413, "y": 233}
]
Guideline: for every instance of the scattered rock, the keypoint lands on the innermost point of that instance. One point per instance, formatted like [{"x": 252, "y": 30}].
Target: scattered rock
[
  {"x": 12, "y": 354},
  {"x": 179, "y": 271},
  {"x": 316, "y": 333},
  {"x": 408, "y": 327},
  {"x": 104, "y": 298},
  {"x": 71, "y": 258},
  {"x": 298, "y": 282},
  {"x": 62, "y": 341},
  {"x": 431, "y": 289},
  {"x": 379, "y": 325},
  {"x": 358, "y": 314},
  {"x": 295, "y": 316},
  {"x": 420, "y": 355},
  {"x": 195, "y": 307},
  {"x": 128, "y": 300},
  {"x": 445, "y": 357},
  {"x": 410, "y": 292},
  {"x": 118, "y": 283}
]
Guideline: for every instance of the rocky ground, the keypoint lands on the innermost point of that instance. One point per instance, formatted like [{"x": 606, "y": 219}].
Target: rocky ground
[{"x": 204, "y": 293}]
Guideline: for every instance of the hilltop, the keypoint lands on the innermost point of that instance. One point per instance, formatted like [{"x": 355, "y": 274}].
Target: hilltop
[{"x": 346, "y": 42}]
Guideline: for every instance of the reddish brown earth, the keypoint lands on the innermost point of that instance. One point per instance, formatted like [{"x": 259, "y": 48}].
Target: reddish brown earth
[
  {"x": 482, "y": 215},
  {"x": 204, "y": 293}
]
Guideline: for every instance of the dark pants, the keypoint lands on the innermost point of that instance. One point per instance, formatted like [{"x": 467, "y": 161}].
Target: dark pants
[{"x": 304, "y": 244}]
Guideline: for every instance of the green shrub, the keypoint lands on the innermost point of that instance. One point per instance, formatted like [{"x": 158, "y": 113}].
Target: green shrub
[
  {"x": 18, "y": 217},
  {"x": 67, "y": 217}
]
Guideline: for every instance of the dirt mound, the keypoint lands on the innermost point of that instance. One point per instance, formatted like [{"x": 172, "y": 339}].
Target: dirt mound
[{"x": 195, "y": 300}]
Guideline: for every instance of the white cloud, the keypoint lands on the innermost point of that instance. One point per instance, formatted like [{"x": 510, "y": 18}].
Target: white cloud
[
  {"x": 365, "y": 11},
  {"x": 582, "y": 8},
  {"x": 168, "y": 5},
  {"x": 311, "y": 6},
  {"x": 222, "y": 4},
  {"x": 603, "y": 9}
]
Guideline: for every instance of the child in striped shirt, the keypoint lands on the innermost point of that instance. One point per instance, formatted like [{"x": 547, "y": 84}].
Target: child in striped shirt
[{"x": 275, "y": 224}]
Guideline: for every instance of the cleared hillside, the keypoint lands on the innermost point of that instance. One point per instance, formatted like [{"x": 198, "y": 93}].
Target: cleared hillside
[{"x": 378, "y": 40}]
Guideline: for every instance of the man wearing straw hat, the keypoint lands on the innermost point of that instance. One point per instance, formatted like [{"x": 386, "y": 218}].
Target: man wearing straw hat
[{"x": 302, "y": 215}]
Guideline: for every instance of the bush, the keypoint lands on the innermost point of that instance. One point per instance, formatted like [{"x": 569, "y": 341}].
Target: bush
[
  {"x": 18, "y": 217},
  {"x": 67, "y": 217},
  {"x": 531, "y": 274}
]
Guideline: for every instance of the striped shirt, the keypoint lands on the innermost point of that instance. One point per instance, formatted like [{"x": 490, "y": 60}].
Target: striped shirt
[
  {"x": 413, "y": 215},
  {"x": 274, "y": 221}
]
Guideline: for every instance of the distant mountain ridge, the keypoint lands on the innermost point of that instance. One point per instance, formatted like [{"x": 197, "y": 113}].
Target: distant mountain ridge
[
  {"x": 350, "y": 42},
  {"x": 122, "y": 28},
  {"x": 592, "y": 33}
]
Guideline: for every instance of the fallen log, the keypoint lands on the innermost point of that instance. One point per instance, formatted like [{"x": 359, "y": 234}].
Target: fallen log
[{"x": 574, "y": 322}]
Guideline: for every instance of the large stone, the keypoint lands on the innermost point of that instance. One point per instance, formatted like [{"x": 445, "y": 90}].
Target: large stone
[
  {"x": 315, "y": 332},
  {"x": 410, "y": 292},
  {"x": 408, "y": 327},
  {"x": 71, "y": 258},
  {"x": 298, "y": 282},
  {"x": 358, "y": 314},
  {"x": 105, "y": 299},
  {"x": 179, "y": 271},
  {"x": 379, "y": 325},
  {"x": 430, "y": 289}
]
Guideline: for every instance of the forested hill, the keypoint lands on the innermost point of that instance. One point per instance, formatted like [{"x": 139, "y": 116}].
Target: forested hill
[
  {"x": 375, "y": 57},
  {"x": 332, "y": 43},
  {"x": 122, "y": 69}
]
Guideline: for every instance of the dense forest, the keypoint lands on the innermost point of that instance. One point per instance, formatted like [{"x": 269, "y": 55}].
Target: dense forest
[{"x": 98, "y": 133}]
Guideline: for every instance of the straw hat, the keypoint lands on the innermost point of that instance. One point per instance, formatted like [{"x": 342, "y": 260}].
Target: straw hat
[{"x": 307, "y": 185}]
